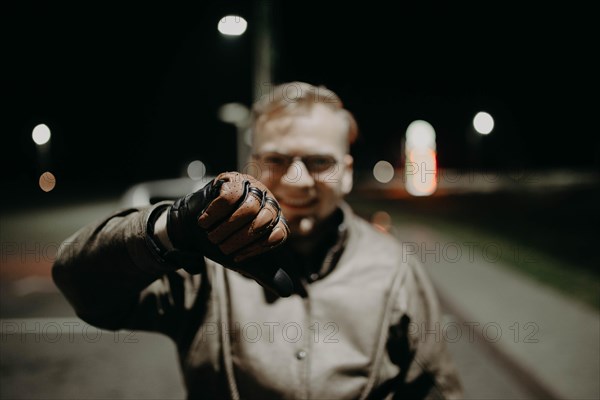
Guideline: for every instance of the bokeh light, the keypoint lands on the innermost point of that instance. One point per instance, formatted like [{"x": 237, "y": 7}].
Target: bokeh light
[
  {"x": 383, "y": 171},
  {"x": 483, "y": 123},
  {"x": 41, "y": 134},
  {"x": 234, "y": 113},
  {"x": 47, "y": 181},
  {"x": 422, "y": 180},
  {"x": 232, "y": 25},
  {"x": 382, "y": 221},
  {"x": 196, "y": 170},
  {"x": 421, "y": 159},
  {"x": 420, "y": 135}
]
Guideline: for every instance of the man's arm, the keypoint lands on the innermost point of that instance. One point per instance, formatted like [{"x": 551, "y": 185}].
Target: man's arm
[
  {"x": 417, "y": 344},
  {"x": 103, "y": 268},
  {"x": 233, "y": 220}
]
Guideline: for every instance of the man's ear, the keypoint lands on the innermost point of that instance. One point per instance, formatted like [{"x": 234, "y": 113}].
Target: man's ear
[{"x": 347, "y": 180}]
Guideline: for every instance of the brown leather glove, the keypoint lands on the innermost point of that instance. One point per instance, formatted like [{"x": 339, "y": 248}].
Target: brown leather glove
[{"x": 233, "y": 220}]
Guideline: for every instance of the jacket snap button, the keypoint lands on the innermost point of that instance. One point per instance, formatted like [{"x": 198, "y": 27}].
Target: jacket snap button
[{"x": 301, "y": 355}]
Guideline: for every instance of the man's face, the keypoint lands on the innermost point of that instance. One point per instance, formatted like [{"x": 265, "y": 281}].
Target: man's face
[{"x": 302, "y": 158}]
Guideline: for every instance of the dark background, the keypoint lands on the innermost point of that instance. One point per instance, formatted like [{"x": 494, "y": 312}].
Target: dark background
[{"x": 131, "y": 92}]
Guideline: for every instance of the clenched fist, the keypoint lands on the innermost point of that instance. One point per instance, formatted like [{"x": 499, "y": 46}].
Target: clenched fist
[{"x": 233, "y": 220}]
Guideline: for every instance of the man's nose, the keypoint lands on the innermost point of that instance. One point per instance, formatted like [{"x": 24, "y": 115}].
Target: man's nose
[{"x": 297, "y": 175}]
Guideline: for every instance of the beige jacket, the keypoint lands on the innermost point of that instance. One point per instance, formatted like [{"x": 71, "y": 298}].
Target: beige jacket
[{"x": 358, "y": 332}]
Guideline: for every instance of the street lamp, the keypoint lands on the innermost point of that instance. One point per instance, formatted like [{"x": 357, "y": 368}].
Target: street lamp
[
  {"x": 483, "y": 123},
  {"x": 232, "y": 25},
  {"x": 41, "y": 134}
]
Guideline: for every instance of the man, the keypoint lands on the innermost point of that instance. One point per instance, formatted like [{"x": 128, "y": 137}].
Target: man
[{"x": 340, "y": 313}]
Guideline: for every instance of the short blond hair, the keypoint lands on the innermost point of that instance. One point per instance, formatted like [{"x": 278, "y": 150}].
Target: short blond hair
[{"x": 291, "y": 96}]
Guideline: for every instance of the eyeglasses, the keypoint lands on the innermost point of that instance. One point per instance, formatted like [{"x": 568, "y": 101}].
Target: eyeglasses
[{"x": 280, "y": 163}]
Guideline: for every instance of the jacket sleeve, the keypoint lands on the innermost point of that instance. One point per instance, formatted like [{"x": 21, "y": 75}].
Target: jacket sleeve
[
  {"x": 114, "y": 279},
  {"x": 417, "y": 344}
]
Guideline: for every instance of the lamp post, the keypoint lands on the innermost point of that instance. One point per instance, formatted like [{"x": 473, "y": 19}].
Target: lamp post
[
  {"x": 482, "y": 125},
  {"x": 236, "y": 113}
]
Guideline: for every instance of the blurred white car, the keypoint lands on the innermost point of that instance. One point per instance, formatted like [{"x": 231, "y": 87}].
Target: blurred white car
[{"x": 152, "y": 192}]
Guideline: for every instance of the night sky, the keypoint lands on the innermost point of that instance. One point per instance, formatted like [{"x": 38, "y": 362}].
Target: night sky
[{"x": 131, "y": 93}]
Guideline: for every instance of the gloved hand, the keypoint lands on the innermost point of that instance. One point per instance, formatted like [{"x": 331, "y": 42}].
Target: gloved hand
[{"x": 235, "y": 221}]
